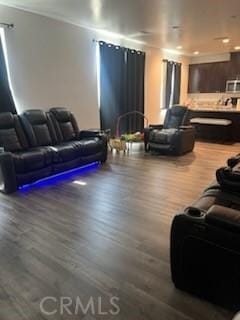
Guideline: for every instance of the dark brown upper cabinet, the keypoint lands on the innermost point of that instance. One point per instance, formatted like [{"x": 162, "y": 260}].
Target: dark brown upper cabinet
[
  {"x": 212, "y": 77},
  {"x": 208, "y": 77},
  {"x": 234, "y": 69}
]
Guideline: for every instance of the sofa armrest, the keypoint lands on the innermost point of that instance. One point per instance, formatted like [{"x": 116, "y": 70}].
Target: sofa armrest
[
  {"x": 97, "y": 134},
  {"x": 147, "y": 133},
  {"x": 156, "y": 126},
  {"x": 184, "y": 141},
  {"x": 224, "y": 217},
  {"x": 8, "y": 183},
  {"x": 186, "y": 128},
  {"x": 91, "y": 134}
]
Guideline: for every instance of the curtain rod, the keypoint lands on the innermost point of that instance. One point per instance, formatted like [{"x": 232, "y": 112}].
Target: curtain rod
[
  {"x": 8, "y": 25},
  {"x": 117, "y": 45},
  {"x": 171, "y": 61}
]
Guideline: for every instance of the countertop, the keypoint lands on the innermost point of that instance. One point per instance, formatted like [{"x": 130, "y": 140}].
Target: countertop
[{"x": 231, "y": 110}]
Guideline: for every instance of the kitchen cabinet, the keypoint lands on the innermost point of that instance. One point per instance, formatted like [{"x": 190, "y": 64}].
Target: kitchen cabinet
[
  {"x": 212, "y": 77},
  {"x": 208, "y": 77},
  {"x": 233, "y": 115},
  {"x": 234, "y": 69}
]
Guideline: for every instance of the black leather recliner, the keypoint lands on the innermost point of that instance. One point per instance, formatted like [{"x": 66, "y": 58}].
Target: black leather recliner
[
  {"x": 20, "y": 163},
  {"x": 205, "y": 242},
  {"x": 174, "y": 136},
  {"x": 32, "y": 149},
  {"x": 89, "y": 144}
]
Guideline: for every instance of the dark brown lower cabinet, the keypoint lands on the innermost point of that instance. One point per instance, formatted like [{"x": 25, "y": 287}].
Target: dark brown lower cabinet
[{"x": 234, "y": 116}]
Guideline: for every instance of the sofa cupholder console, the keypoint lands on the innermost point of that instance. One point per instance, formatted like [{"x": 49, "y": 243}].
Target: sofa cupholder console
[{"x": 194, "y": 212}]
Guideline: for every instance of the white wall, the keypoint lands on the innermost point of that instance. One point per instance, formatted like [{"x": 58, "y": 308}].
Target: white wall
[
  {"x": 154, "y": 83},
  {"x": 53, "y": 63}
]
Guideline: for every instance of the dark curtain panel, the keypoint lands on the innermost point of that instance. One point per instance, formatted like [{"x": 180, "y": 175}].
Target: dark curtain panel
[
  {"x": 177, "y": 83},
  {"x": 121, "y": 87},
  {"x": 169, "y": 73},
  {"x": 134, "y": 93},
  {"x": 6, "y": 99},
  {"x": 112, "y": 61}
]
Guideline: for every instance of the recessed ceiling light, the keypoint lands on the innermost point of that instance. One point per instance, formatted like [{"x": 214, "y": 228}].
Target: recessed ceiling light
[
  {"x": 237, "y": 48},
  {"x": 172, "y": 51},
  {"x": 196, "y": 52},
  {"x": 226, "y": 40},
  {"x": 179, "y": 47}
]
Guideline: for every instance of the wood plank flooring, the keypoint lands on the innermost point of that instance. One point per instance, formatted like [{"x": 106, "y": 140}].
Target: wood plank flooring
[{"x": 107, "y": 236}]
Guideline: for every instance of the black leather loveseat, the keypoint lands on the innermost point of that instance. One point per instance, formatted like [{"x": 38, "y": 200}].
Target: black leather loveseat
[
  {"x": 205, "y": 241},
  {"x": 39, "y": 144}
]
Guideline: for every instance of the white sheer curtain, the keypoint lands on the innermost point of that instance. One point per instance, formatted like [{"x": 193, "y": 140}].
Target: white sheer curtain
[{"x": 171, "y": 102}]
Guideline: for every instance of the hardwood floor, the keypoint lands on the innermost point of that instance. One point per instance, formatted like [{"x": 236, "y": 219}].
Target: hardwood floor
[{"x": 107, "y": 235}]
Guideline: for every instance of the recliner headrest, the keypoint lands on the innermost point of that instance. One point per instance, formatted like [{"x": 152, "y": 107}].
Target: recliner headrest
[
  {"x": 6, "y": 120},
  {"x": 61, "y": 114},
  {"x": 35, "y": 117},
  {"x": 65, "y": 124},
  {"x": 38, "y": 127},
  {"x": 175, "y": 117},
  {"x": 12, "y": 137},
  {"x": 178, "y": 110}
]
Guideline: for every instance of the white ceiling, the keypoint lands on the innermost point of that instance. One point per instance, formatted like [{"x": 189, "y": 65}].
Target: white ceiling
[{"x": 151, "y": 21}]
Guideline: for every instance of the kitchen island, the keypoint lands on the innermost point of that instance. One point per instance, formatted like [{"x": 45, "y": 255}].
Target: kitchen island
[{"x": 219, "y": 113}]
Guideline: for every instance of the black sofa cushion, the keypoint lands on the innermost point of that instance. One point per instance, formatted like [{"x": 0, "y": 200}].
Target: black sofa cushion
[
  {"x": 65, "y": 152},
  {"x": 39, "y": 128},
  {"x": 12, "y": 137},
  {"x": 65, "y": 124},
  {"x": 89, "y": 146},
  {"x": 164, "y": 136},
  {"x": 32, "y": 159},
  {"x": 227, "y": 218}
]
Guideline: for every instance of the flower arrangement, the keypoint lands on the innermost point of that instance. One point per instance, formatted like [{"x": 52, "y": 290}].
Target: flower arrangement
[{"x": 120, "y": 142}]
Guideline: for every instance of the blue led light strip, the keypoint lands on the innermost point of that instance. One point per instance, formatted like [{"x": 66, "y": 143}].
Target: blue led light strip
[{"x": 60, "y": 176}]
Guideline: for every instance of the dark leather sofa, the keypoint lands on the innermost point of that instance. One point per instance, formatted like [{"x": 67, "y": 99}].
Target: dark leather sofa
[
  {"x": 205, "y": 241},
  {"x": 175, "y": 136},
  {"x": 39, "y": 144}
]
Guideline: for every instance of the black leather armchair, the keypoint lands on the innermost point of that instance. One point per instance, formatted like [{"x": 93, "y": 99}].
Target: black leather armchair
[{"x": 174, "y": 136}]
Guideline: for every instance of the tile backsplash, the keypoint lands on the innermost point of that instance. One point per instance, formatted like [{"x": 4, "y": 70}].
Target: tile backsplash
[
  {"x": 214, "y": 97},
  {"x": 210, "y": 101}
]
